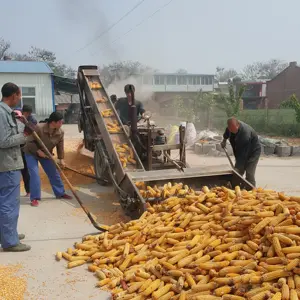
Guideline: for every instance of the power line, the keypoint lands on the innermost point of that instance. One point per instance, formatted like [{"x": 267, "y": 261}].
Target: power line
[
  {"x": 112, "y": 26},
  {"x": 144, "y": 20}
]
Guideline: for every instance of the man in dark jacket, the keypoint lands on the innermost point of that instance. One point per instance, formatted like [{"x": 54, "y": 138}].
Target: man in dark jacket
[
  {"x": 123, "y": 105},
  {"x": 246, "y": 147}
]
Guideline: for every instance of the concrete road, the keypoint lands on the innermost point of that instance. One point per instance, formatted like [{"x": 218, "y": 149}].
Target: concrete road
[{"x": 55, "y": 225}]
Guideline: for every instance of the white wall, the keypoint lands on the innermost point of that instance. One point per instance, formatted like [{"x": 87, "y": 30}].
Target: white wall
[
  {"x": 182, "y": 88},
  {"x": 43, "y": 89}
]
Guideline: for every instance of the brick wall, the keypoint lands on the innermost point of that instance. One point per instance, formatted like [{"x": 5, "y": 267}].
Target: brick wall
[{"x": 283, "y": 86}]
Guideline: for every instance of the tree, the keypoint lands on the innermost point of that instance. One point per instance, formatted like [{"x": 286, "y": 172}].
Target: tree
[
  {"x": 264, "y": 70},
  {"x": 181, "y": 71},
  {"x": 205, "y": 102},
  {"x": 49, "y": 57},
  {"x": 294, "y": 104},
  {"x": 223, "y": 75},
  {"x": 230, "y": 102},
  {"x": 4, "y": 47},
  {"x": 40, "y": 54},
  {"x": 123, "y": 70},
  {"x": 37, "y": 54},
  {"x": 20, "y": 57},
  {"x": 202, "y": 102}
]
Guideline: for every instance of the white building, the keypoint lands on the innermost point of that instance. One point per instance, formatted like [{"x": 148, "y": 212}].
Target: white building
[
  {"x": 173, "y": 82},
  {"x": 36, "y": 81}
]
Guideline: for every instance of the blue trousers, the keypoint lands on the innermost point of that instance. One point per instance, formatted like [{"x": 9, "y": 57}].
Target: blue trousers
[
  {"x": 9, "y": 207},
  {"x": 35, "y": 180}
]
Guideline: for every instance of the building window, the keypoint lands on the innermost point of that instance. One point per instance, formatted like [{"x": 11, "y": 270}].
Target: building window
[
  {"x": 205, "y": 80},
  {"x": 159, "y": 80},
  {"x": 171, "y": 80},
  {"x": 181, "y": 80},
  {"x": 28, "y": 97},
  {"x": 210, "y": 80},
  {"x": 194, "y": 80}
]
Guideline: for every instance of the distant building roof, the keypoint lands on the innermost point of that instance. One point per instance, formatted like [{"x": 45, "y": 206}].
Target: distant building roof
[
  {"x": 182, "y": 74},
  {"x": 33, "y": 67}
]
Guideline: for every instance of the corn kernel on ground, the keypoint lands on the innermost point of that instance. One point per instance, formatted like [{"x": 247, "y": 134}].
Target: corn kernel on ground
[
  {"x": 12, "y": 287},
  {"x": 208, "y": 244}
]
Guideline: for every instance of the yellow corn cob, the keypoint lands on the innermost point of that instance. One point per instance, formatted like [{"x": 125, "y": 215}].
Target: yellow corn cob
[
  {"x": 222, "y": 290},
  {"x": 277, "y": 247},
  {"x": 76, "y": 263},
  {"x": 277, "y": 296},
  {"x": 293, "y": 295},
  {"x": 151, "y": 288},
  {"x": 199, "y": 244},
  {"x": 285, "y": 292},
  {"x": 275, "y": 275}
]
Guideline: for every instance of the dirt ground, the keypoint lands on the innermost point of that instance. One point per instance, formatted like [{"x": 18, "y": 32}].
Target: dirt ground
[{"x": 56, "y": 224}]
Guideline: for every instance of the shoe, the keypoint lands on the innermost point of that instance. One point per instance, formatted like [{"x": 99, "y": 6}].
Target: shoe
[
  {"x": 27, "y": 195},
  {"x": 34, "y": 203},
  {"x": 65, "y": 196},
  {"x": 21, "y": 236},
  {"x": 17, "y": 248}
]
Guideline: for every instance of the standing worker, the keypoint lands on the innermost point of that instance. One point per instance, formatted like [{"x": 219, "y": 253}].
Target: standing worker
[
  {"x": 123, "y": 105},
  {"x": 27, "y": 113},
  {"x": 10, "y": 170},
  {"x": 113, "y": 99},
  {"x": 52, "y": 136},
  {"x": 246, "y": 147}
]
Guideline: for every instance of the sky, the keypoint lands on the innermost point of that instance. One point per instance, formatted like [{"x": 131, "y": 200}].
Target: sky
[{"x": 195, "y": 35}]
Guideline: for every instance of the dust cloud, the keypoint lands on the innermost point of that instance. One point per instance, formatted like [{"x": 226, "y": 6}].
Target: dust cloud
[
  {"x": 143, "y": 92},
  {"x": 89, "y": 19}
]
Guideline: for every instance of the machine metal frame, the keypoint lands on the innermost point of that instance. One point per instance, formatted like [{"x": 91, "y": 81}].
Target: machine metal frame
[{"x": 108, "y": 165}]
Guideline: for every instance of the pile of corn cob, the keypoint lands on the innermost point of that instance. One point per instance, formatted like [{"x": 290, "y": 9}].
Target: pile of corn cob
[{"x": 209, "y": 244}]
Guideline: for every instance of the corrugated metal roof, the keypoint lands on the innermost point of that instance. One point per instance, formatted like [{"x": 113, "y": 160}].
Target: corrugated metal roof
[
  {"x": 66, "y": 99},
  {"x": 33, "y": 67}
]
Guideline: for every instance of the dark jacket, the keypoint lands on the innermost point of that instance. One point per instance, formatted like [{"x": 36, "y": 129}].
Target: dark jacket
[
  {"x": 122, "y": 107},
  {"x": 245, "y": 144}
]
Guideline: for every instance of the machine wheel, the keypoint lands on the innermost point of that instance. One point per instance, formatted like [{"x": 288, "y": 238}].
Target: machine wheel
[{"x": 99, "y": 164}]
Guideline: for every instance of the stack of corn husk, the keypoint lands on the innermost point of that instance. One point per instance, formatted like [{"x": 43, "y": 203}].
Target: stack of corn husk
[{"x": 207, "y": 244}]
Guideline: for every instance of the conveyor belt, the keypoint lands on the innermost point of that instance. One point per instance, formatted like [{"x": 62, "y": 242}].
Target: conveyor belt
[{"x": 107, "y": 123}]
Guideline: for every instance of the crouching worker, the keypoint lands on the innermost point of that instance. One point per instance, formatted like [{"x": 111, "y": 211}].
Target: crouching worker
[
  {"x": 246, "y": 147},
  {"x": 52, "y": 136}
]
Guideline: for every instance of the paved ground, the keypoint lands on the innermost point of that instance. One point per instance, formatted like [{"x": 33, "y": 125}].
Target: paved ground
[{"x": 55, "y": 225}]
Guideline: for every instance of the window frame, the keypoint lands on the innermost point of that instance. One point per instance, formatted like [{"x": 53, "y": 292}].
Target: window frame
[
  {"x": 28, "y": 97},
  {"x": 171, "y": 80},
  {"x": 159, "y": 77}
]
